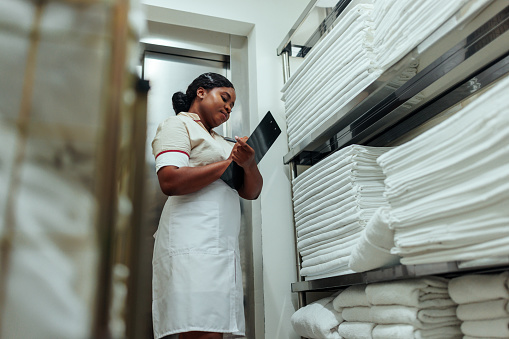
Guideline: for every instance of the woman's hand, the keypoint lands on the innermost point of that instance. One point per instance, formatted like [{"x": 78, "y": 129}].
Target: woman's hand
[{"x": 244, "y": 156}]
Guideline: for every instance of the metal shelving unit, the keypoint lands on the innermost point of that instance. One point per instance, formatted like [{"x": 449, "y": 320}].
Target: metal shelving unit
[{"x": 479, "y": 56}]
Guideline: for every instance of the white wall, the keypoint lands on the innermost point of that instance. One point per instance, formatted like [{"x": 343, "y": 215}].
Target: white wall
[{"x": 265, "y": 23}]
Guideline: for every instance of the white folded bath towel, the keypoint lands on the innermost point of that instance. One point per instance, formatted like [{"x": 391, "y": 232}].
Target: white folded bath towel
[
  {"x": 496, "y": 328},
  {"x": 352, "y": 296},
  {"x": 477, "y": 287},
  {"x": 325, "y": 267},
  {"x": 422, "y": 293},
  {"x": 409, "y": 332},
  {"x": 357, "y": 314},
  {"x": 484, "y": 310},
  {"x": 356, "y": 330},
  {"x": 419, "y": 318},
  {"x": 317, "y": 320},
  {"x": 374, "y": 245}
]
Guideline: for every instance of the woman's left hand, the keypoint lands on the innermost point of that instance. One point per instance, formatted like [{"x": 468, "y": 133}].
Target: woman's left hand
[{"x": 243, "y": 154}]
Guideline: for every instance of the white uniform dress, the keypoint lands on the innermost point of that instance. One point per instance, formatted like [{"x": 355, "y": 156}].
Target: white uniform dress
[{"x": 197, "y": 281}]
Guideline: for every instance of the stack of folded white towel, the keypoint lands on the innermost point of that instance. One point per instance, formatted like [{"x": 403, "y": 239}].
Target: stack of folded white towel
[
  {"x": 318, "y": 320},
  {"x": 483, "y": 304},
  {"x": 367, "y": 39},
  {"x": 448, "y": 188},
  {"x": 415, "y": 308},
  {"x": 400, "y": 25},
  {"x": 333, "y": 201},
  {"x": 337, "y": 69},
  {"x": 355, "y": 310}
]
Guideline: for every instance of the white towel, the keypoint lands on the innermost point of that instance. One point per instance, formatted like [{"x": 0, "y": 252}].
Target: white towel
[
  {"x": 476, "y": 287},
  {"x": 422, "y": 292},
  {"x": 419, "y": 318},
  {"x": 484, "y": 310},
  {"x": 408, "y": 332},
  {"x": 317, "y": 320},
  {"x": 497, "y": 328},
  {"x": 358, "y": 314},
  {"x": 356, "y": 330},
  {"x": 352, "y": 296},
  {"x": 373, "y": 248}
]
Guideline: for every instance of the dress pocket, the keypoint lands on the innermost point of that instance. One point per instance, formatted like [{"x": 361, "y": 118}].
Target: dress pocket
[{"x": 194, "y": 227}]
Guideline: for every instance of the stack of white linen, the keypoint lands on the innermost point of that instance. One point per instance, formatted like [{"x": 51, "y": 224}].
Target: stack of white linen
[
  {"x": 483, "y": 304},
  {"x": 414, "y": 308},
  {"x": 401, "y": 25},
  {"x": 337, "y": 69},
  {"x": 333, "y": 201},
  {"x": 367, "y": 39},
  {"x": 355, "y": 309},
  {"x": 318, "y": 320},
  {"x": 448, "y": 188}
]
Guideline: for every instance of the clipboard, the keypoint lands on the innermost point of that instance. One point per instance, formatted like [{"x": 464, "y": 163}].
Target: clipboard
[{"x": 262, "y": 138}]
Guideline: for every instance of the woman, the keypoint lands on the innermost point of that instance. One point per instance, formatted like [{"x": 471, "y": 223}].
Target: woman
[{"x": 197, "y": 282}]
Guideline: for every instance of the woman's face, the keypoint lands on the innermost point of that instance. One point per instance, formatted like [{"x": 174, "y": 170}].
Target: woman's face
[{"x": 216, "y": 105}]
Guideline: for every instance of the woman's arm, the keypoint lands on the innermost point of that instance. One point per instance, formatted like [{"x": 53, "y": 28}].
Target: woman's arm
[
  {"x": 243, "y": 155},
  {"x": 184, "y": 180}
]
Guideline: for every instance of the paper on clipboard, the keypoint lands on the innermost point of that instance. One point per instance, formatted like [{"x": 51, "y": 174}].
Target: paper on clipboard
[{"x": 262, "y": 138}]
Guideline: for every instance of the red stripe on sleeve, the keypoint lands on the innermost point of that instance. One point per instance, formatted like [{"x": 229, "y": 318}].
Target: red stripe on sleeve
[{"x": 173, "y": 151}]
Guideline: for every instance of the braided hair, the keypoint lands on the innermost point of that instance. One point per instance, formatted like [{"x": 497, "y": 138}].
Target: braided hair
[{"x": 182, "y": 101}]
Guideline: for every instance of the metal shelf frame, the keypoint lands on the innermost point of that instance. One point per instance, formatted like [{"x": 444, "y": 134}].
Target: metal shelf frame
[{"x": 395, "y": 273}]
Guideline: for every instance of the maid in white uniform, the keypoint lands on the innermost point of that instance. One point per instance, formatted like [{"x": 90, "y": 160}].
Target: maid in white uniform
[{"x": 197, "y": 281}]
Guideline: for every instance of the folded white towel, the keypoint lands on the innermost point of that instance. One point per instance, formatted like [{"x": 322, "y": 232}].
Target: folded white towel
[
  {"x": 476, "y": 287},
  {"x": 358, "y": 314},
  {"x": 352, "y": 296},
  {"x": 484, "y": 310},
  {"x": 496, "y": 328},
  {"x": 325, "y": 267},
  {"x": 373, "y": 248},
  {"x": 409, "y": 332},
  {"x": 317, "y": 320},
  {"x": 419, "y": 318},
  {"x": 422, "y": 292},
  {"x": 356, "y": 330}
]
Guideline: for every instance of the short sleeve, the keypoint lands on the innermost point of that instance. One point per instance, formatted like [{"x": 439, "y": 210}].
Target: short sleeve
[{"x": 171, "y": 145}]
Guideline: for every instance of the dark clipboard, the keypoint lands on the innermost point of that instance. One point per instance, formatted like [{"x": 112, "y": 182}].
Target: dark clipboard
[{"x": 262, "y": 138}]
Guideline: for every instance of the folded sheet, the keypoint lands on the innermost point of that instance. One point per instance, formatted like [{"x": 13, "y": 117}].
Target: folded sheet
[
  {"x": 317, "y": 320},
  {"x": 357, "y": 314},
  {"x": 496, "y": 328},
  {"x": 374, "y": 244},
  {"x": 352, "y": 296},
  {"x": 356, "y": 330},
  {"x": 401, "y": 331},
  {"x": 484, "y": 310},
  {"x": 422, "y": 293},
  {"x": 418, "y": 318},
  {"x": 476, "y": 287}
]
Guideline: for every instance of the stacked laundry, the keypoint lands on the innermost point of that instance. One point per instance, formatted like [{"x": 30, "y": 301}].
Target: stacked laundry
[
  {"x": 448, "y": 188},
  {"x": 333, "y": 201},
  {"x": 336, "y": 70},
  {"x": 317, "y": 320},
  {"x": 415, "y": 308},
  {"x": 399, "y": 26},
  {"x": 367, "y": 39},
  {"x": 355, "y": 309},
  {"x": 483, "y": 304},
  {"x": 373, "y": 249}
]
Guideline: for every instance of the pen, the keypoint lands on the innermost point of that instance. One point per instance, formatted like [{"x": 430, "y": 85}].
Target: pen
[{"x": 230, "y": 139}]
